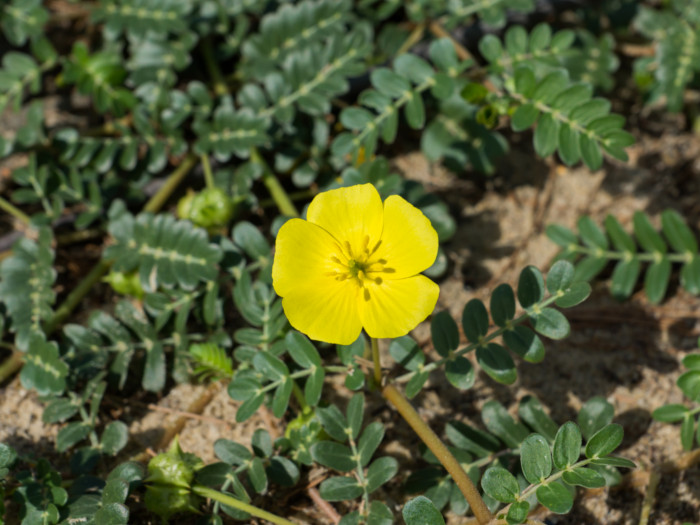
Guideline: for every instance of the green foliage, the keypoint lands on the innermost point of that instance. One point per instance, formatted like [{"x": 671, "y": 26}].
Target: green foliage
[
  {"x": 355, "y": 457},
  {"x": 493, "y": 358},
  {"x": 26, "y": 280},
  {"x": 675, "y": 31},
  {"x": 22, "y": 20},
  {"x": 549, "y": 459},
  {"x": 166, "y": 252},
  {"x": 569, "y": 120},
  {"x": 689, "y": 383},
  {"x": 594, "y": 248}
]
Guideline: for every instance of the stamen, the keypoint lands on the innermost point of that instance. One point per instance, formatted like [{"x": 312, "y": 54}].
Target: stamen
[
  {"x": 366, "y": 295},
  {"x": 378, "y": 280},
  {"x": 336, "y": 260},
  {"x": 349, "y": 249}
]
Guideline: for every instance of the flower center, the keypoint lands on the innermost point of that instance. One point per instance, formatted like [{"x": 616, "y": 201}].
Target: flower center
[{"x": 361, "y": 265}]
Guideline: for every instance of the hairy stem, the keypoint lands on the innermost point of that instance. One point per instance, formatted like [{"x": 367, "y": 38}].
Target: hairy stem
[
  {"x": 278, "y": 193},
  {"x": 437, "y": 447},
  {"x": 208, "y": 175},
  {"x": 10, "y": 366},
  {"x": 225, "y": 499},
  {"x": 166, "y": 190},
  {"x": 15, "y": 212}
]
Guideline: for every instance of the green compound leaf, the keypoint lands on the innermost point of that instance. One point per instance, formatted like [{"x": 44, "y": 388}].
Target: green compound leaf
[
  {"x": 584, "y": 477},
  {"x": 605, "y": 441},
  {"x": 560, "y": 277},
  {"x": 530, "y": 287},
  {"x": 656, "y": 280},
  {"x": 613, "y": 461},
  {"x": 689, "y": 383},
  {"x": 369, "y": 441},
  {"x": 497, "y": 363},
  {"x": 502, "y": 304},
  {"x": 567, "y": 446},
  {"x": 379, "y": 514},
  {"x": 333, "y": 455},
  {"x": 692, "y": 361},
  {"x": 333, "y": 422},
  {"x": 415, "y": 384},
  {"x": 532, "y": 412},
  {"x": 112, "y": 514},
  {"x": 59, "y": 410},
  {"x": 421, "y": 511},
  {"x": 575, "y": 294},
  {"x": 43, "y": 369},
  {"x": 166, "y": 252},
  {"x": 26, "y": 280},
  {"x": 591, "y": 234},
  {"x": 445, "y": 333},
  {"x": 535, "y": 458},
  {"x": 460, "y": 372},
  {"x": 647, "y": 236},
  {"x": 249, "y": 407},
  {"x": 621, "y": 240},
  {"x": 561, "y": 235},
  {"x": 302, "y": 350},
  {"x": 556, "y": 497},
  {"x": 475, "y": 320},
  {"x": 518, "y": 511},
  {"x": 471, "y": 439},
  {"x": 551, "y": 323},
  {"x": 71, "y": 434},
  {"x": 381, "y": 471},
  {"x": 355, "y": 413},
  {"x": 340, "y": 489},
  {"x": 670, "y": 413},
  {"x": 687, "y": 432},
  {"x": 500, "y": 484},
  {"x": 524, "y": 342},
  {"x": 292, "y": 29},
  {"x": 624, "y": 278},
  {"x": 114, "y": 437},
  {"x": 231, "y": 452},
  {"x": 406, "y": 352},
  {"x": 7, "y": 456},
  {"x": 595, "y": 414},
  {"x": 500, "y": 423}
]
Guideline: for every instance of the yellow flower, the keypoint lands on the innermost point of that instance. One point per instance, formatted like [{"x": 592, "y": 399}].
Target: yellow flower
[{"x": 354, "y": 264}]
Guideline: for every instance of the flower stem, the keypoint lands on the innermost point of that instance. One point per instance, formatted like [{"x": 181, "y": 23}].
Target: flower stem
[
  {"x": 158, "y": 200},
  {"x": 225, "y": 499},
  {"x": 219, "y": 86},
  {"x": 437, "y": 447},
  {"x": 279, "y": 195},
  {"x": 377, "y": 363},
  {"x": 11, "y": 365},
  {"x": 15, "y": 211},
  {"x": 77, "y": 294},
  {"x": 208, "y": 175}
]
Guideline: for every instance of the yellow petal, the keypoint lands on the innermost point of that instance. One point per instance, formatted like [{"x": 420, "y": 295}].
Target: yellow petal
[
  {"x": 395, "y": 307},
  {"x": 349, "y": 214},
  {"x": 328, "y": 313},
  {"x": 409, "y": 242},
  {"x": 303, "y": 254}
]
